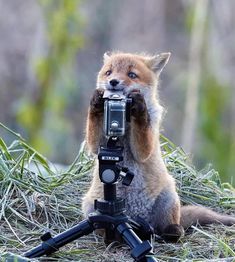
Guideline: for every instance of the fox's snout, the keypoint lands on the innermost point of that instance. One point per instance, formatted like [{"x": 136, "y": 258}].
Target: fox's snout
[{"x": 115, "y": 84}]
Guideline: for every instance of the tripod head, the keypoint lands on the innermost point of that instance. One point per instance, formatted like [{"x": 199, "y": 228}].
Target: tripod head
[{"x": 109, "y": 171}]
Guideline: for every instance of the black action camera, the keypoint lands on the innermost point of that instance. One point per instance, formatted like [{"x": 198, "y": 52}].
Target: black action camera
[{"x": 116, "y": 113}]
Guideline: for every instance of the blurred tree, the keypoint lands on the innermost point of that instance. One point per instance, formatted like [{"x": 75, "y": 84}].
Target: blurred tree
[
  {"x": 197, "y": 26},
  {"x": 214, "y": 128},
  {"x": 209, "y": 102},
  {"x": 55, "y": 74}
]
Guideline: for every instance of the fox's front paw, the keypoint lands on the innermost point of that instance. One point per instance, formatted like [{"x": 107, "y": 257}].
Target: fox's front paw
[
  {"x": 139, "y": 109},
  {"x": 97, "y": 102}
]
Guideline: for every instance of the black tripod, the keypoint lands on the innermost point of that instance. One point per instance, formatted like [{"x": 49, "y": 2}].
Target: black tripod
[{"x": 109, "y": 214}]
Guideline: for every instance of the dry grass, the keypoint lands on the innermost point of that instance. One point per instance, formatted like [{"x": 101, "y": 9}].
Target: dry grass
[{"x": 34, "y": 201}]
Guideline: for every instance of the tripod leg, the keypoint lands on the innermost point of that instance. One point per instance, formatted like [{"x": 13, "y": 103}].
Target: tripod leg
[
  {"x": 52, "y": 244},
  {"x": 142, "y": 228},
  {"x": 140, "y": 249}
]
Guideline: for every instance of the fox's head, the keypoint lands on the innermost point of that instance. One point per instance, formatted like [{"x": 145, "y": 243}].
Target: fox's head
[{"x": 127, "y": 72}]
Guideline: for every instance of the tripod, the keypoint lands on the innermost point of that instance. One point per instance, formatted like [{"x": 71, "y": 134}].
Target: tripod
[{"x": 109, "y": 215}]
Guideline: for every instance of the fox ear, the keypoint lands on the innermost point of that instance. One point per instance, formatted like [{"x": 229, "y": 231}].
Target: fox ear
[
  {"x": 107, "y": 56},
  {"x": 158, "y": 62}
]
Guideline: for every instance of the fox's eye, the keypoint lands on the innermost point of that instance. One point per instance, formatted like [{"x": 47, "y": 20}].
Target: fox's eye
[
  {"x": 132, "y": 75},
  {"x": 108, "y": 73}
]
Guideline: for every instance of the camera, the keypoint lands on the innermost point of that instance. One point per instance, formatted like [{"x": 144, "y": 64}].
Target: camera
[{"x": 116, "y": 113}]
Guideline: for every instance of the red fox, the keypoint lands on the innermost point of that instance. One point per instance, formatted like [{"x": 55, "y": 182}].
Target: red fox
[{"x": 152, "y": 194}]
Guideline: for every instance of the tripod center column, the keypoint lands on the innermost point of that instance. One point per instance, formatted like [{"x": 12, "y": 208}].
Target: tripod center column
[{"x": 110, "y": 193}]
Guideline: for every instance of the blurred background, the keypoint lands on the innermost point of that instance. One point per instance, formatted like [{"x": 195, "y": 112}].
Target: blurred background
[{"x": 51, "y": 51}]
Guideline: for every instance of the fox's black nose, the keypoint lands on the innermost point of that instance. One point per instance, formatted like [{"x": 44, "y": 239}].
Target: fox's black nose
[{"x": 114, "y": 82}]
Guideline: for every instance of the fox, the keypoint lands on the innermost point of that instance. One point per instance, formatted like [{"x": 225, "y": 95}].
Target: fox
[{"x": 152, "y": 194}]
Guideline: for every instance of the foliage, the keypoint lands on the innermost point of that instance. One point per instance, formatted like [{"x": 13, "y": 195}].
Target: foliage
[
  {"x": 54, "y": 73},
  {"x": 37, "y": 196},
  {"x": 213, "y": 127}
]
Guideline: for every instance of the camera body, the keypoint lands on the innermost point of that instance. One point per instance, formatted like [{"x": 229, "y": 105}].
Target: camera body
[{"x": 116, "y": 113}]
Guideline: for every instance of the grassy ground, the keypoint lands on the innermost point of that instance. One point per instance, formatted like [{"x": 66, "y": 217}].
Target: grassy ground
[{"x": 34, "y": 201}]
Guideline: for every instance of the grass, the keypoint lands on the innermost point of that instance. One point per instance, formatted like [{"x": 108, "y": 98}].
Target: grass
[{"x": 37, "y": 196}]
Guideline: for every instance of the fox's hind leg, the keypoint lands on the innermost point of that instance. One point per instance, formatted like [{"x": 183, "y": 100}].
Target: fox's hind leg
[{"x": 166, "y": 216}]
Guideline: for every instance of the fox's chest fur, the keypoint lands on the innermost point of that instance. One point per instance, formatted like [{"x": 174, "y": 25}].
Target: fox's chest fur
[{"x": 136, "y": 194}]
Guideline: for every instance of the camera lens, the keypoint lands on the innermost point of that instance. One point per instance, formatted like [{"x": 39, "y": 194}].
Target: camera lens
[{"x": 114, "y": 125}]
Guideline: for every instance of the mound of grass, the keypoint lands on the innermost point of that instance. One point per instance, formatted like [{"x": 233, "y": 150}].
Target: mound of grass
[{"x": 37, "y": 196}]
